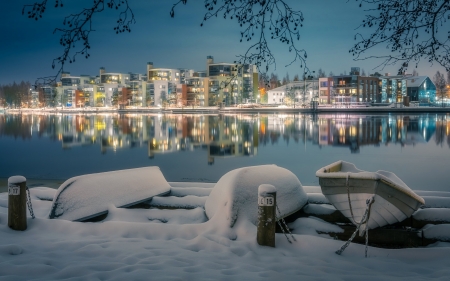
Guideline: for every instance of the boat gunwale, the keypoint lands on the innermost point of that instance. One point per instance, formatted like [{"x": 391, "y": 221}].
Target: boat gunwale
[{"x": 332, "y": 171}]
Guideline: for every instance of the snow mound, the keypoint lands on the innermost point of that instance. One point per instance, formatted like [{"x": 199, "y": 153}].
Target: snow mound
[
  {"x": 83, "y": 197},
  {"x": 236, "y": 193}
]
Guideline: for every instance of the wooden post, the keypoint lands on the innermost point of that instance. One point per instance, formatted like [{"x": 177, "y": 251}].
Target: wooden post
[
  {"x": 267, "y": 198},
  {"x": 17, "y": 203}
]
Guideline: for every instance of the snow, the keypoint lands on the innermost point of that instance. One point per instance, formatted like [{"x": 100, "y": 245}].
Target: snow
[
  {"x": 184, "y": 191},
  {"x": 439, "y": 231},
  {"x": 265, "y": 190},
  {"x": 433, "y": 214},
  {"x": 152, "y": 244},
  {"x": 86, "y": 196},
  {"x": 236, "y": 193},
  {"x": 319, "y": 209},
  {"x": 436, "y": 202},
  {"x": 16, "y": 180},
  {"x": 317, "y": 198},
  {"x": 349, "y": 170},
  {"x": 187, "y": 202},
  {"x": 311, "y": 225}
]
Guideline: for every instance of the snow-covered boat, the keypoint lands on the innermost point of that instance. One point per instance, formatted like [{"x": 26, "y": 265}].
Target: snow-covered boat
[
  {"x": 87, "y": 196},
  {"x": 350, "y": 190}
]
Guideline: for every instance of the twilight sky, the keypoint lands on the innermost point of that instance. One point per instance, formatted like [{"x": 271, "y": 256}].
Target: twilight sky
[{"x": 28, "y": 47}]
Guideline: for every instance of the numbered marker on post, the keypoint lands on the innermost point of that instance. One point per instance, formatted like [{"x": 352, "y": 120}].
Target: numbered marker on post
[
  {"x": 13, "y": 190},
  {"x": 265, "y": 201},
  {"x": 267, "y": 198}
]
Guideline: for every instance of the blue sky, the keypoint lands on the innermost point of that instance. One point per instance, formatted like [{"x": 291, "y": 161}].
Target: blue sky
[{"x": 28, "y": 47}]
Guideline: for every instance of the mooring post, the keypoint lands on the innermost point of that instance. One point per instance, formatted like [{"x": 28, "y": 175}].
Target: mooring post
[
  {"x": 17, "y": 203},
  {"x": 267, "y": 198}
]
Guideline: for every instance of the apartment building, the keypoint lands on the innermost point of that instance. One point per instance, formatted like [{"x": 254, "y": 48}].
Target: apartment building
[
  {"x": 197, "y": 90},
  {"x": 325, "y": 90},
  {"x": 111, "y": 90},
  {"x": 162, "y": 83},
  {"x": 354, "y": 88},
  {"x": 230, "y": 83},
  {"x": 297, "y": 92}
]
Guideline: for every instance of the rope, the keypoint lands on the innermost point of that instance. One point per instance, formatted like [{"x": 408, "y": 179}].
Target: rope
[
  {"x": 30, "y": 207},
  {"x": 366, "y": 215},
  {"x": 287, "y": 228},
  {"x": 350, "y": 202}
]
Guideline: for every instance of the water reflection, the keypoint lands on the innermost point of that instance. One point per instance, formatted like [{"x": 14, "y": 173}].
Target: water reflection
[{"x": 227, "y": 135}]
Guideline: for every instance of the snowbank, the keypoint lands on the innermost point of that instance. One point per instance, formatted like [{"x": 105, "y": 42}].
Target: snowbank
[{"x": 236, "y": 193}]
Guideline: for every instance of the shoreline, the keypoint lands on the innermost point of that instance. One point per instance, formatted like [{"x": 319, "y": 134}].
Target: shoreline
[{"x": 235, "y": 110}]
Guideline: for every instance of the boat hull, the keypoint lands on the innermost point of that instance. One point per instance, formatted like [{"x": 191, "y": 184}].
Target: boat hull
[{"x": 348, "y": 189}]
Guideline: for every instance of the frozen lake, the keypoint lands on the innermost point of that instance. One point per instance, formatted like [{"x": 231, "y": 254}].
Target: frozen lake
[{"x": 204, "y": 147}]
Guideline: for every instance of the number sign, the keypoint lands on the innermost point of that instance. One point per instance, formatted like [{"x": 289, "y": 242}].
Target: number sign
[
  {"x": 265, "y": 201},
  {"x": 13, "y": 190}
]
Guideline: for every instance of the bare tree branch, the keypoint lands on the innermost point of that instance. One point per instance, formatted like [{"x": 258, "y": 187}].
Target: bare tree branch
[
  {"x": 412, "y": 30},
  {"x": 77, "y": 29},
  {"x": 259, "y": 19}
]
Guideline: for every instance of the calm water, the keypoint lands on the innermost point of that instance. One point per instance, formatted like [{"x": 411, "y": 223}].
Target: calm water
[{"x": 204, "y": 147}]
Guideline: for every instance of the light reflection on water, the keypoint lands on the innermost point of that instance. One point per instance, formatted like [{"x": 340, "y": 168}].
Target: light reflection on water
[{"x": 204, "y": 147}]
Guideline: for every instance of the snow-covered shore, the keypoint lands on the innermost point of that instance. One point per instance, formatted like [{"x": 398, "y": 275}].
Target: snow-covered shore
[{"x": 153, "y": 244}]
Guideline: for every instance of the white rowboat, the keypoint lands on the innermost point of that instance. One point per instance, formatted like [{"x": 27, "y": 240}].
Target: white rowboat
[{"x": 349, "y": 188}]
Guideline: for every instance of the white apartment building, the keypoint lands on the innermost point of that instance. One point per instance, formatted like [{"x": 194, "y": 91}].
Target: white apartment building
[
  {"x": 162, "y": 84},
  {"x": 302, "y": 92}
]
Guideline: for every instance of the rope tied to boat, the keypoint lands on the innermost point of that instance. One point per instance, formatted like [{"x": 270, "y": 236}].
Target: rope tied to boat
[
  {"x": 365, "y": 218},
  {"x": 30, "y": 207},
  {"x": 285, "y": 225},
  {"x": 350, "y": 202}
]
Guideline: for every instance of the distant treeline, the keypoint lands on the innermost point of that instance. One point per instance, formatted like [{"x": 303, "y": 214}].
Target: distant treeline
[{"x": 15, "y": 94}]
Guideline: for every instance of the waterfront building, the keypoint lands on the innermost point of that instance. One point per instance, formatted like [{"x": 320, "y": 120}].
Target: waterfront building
[
  {"x": 197, "y": 91},
  {"x": 88, "y": 87},
  {"x": 354, "y": 88},
  {"x": 185, "y": 74},
  {"x": 227, "y": 84},
  {"x": 421, "y": 89},
  {"x": 162, "y": 84},
  {"x": 325, "y": 90},
  {"x": 298, "y": 92},
  {"x": 135, "y": 93},
  {"x": 48, "y": 94},
  {"x": 392, "y": 88},
  {"x": 417, "y": 88},
  {"x": 34, "y": 98},
  {"x": 231, "y": 83},
  {"x": 67, "y": 90},
  {"x": 112, "y": 89}
]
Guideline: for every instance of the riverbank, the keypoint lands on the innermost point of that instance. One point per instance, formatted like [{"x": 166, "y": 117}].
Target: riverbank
[{"x": 236, "y": 110}]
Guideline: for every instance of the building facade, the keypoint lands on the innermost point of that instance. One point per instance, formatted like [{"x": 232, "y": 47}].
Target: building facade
[
  {"x": 230, "y": 83},
  {"x": 354, "y": 88},
  {"x": 298, "y": 93}
]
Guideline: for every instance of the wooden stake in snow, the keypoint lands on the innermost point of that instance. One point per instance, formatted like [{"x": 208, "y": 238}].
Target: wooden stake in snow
[
  {"x": 267, "y": 197},
  {"x": 17, "y": 203}
]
